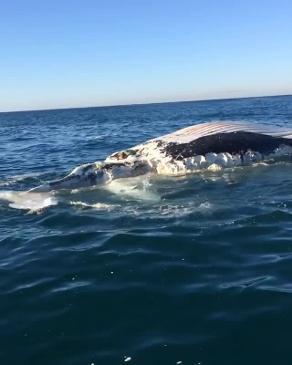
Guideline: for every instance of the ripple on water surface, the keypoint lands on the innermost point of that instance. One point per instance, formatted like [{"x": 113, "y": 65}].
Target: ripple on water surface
[{"x": 194, "y": 270}]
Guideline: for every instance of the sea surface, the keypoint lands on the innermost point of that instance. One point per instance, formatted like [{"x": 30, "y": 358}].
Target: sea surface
[{"x": 192, "y": 270}]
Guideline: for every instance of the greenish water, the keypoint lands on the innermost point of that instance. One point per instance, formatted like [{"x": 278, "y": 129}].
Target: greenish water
[{"x": 194, "y": 269}]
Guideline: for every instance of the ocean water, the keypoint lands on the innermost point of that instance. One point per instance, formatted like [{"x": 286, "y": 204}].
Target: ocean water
[{"x": 189, "y": 270}]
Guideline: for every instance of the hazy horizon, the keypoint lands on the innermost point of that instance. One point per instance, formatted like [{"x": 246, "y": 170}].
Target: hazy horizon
[
  {"x": 147, "y": 103},
  {"x": 106, "y": 53}
]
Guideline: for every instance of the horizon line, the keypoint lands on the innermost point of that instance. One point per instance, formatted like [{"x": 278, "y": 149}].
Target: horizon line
[{"x": 139, "y": 104}]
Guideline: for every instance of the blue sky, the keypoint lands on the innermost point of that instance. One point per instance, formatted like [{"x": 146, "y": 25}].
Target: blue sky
[{"x": 69, "y": 53}]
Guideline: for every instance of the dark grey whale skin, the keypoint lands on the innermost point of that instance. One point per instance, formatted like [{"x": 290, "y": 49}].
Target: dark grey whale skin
[{"x": 233, "y": 143}]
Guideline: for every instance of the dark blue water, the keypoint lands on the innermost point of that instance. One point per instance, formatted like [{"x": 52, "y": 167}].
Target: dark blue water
[{"x": 195, "y": 269}]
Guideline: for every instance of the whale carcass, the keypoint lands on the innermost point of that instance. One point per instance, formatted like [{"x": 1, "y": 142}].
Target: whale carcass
[{"x": 212, "y": 146}]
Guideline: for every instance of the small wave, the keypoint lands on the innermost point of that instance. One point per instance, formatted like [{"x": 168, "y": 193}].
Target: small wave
[
  {"x": 172, "y": 211},
  {"x": 10, "y": 180}
]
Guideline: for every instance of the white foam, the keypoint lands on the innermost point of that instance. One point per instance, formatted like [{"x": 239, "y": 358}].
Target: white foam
[
  {"x": 28, "y": 200},
  {"x": 175, "y": 211},
  {"x": 138, "y": 188},
  {"x": 97, "y": 206},
  {"x": 178, "y": 210}
]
